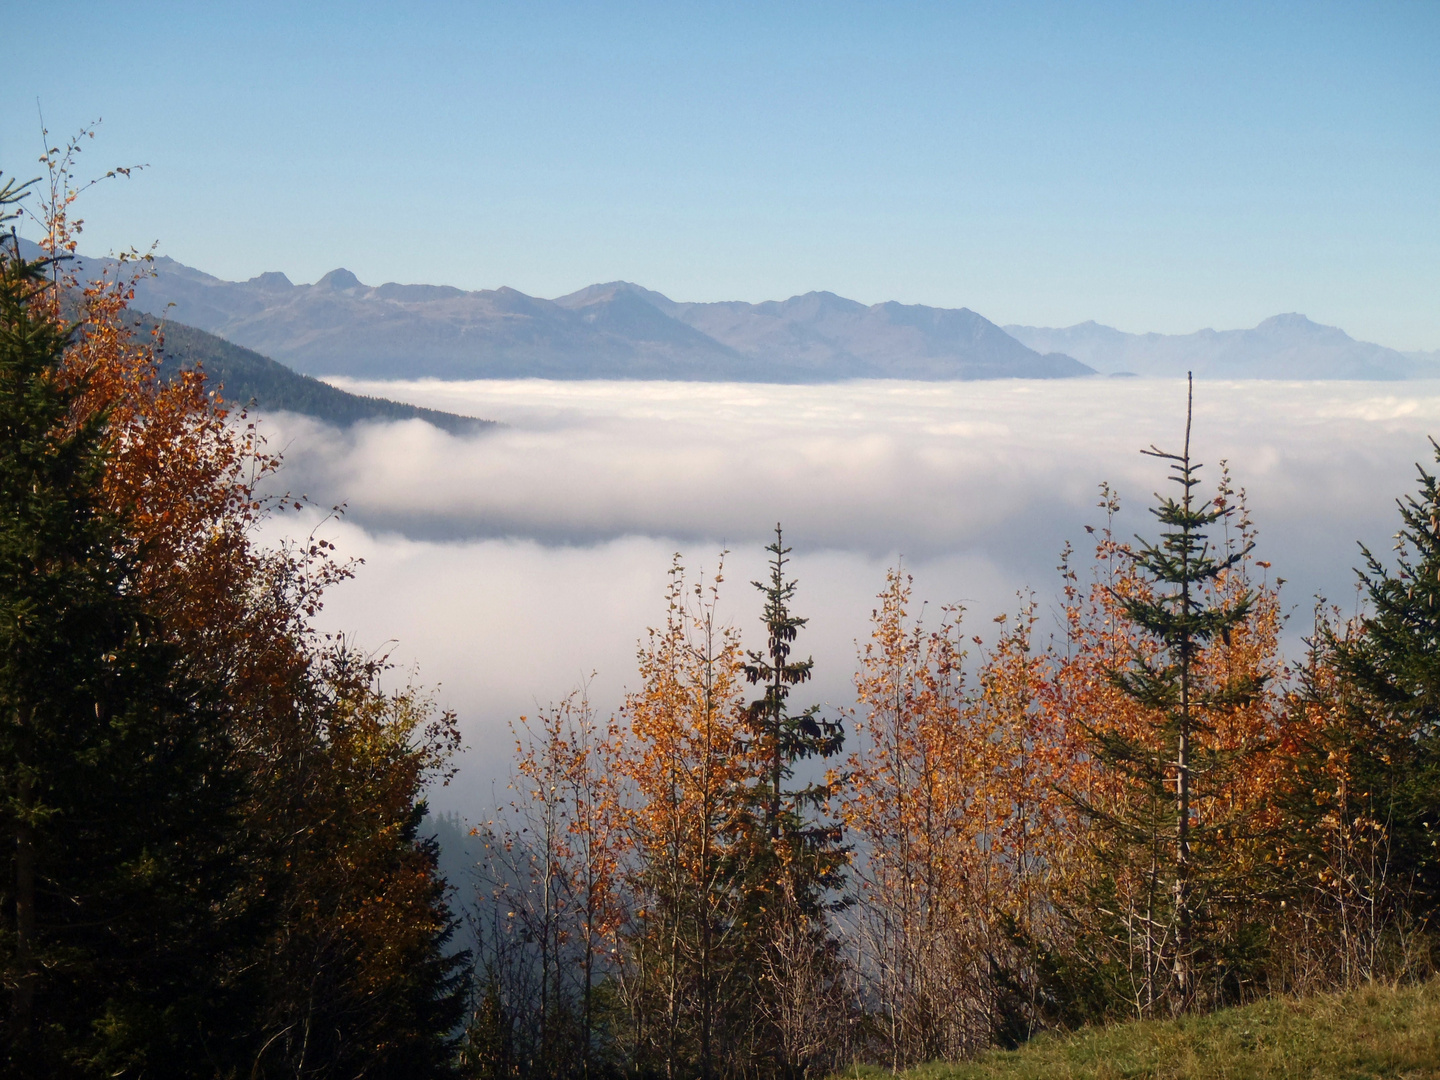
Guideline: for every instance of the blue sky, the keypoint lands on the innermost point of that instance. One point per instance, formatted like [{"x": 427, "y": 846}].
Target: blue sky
[{"x": 1153, "y": 166}]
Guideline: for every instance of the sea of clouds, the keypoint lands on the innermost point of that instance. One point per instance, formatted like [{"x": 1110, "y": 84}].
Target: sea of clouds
[{"x": 508, "y": 566}]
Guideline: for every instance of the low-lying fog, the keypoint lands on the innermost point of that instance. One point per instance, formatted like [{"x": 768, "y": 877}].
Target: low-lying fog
[{"x": 507, "y": 566}]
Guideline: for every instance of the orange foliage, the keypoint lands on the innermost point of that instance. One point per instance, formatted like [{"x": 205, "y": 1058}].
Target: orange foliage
[
  {"x": 1235, "y": 781},
  {"x": 687, "y": 771},
  {"x": 915, "y": 789},
  {"x": 333, "y": 766}
]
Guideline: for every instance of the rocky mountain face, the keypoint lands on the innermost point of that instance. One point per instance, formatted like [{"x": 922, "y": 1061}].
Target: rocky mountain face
[
  {"x": 1281, "y": 347},
  {"x": 339, "y": 326}
]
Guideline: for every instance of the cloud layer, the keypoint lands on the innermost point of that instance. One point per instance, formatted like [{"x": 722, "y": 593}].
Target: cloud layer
[{"x": 508, "y": 565}]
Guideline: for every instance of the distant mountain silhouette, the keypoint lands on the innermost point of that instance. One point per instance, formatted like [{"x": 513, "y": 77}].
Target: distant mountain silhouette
[
  {"x": 1428, "y": 360},
  {"x": 1281, "y": 347},
  {"x": 821, "y": 336},
  {"x": 340, "y": 326}
]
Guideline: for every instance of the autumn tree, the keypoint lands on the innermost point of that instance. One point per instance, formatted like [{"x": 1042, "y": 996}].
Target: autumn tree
[
  {"x": 334, "y": 966},
  {"x": 550, "y": 902},
  {"x": 689, "y": 777},
  {"x": 356, "y": 977},
  {"x": 120, "y": 800},
  {"x": 908, "y": 805},
  {"x": 1021, "y": 758}
]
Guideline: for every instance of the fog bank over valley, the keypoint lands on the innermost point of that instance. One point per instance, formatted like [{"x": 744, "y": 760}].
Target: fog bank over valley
[{"x": 508, "y": 565}]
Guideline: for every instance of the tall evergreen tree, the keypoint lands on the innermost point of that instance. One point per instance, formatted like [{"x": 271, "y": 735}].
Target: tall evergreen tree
[
  {"x": 1393, "y": 668},
  {"x": 793, "y": 857},
  {"x": 181, "y": 758},
  {"x": 1176, "y": 619},
  {"x": 113, "y": 767},
  {"x": 804, "y": 850}
]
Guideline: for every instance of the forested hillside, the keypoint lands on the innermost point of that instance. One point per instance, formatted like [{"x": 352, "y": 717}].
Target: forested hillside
[
  {"x": 242, "y": 376},
  {"x": 245, "y": 378}
]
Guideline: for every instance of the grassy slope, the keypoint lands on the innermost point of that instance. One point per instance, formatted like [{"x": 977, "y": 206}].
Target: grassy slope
[{"x": 1376, "y": 1032}]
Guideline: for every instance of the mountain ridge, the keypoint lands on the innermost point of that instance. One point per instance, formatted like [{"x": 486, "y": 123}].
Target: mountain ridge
[
  {"x": 341, "y": 326},
  {"x": 246, "y": 379},
  {"x": 1286, "y": 346}
]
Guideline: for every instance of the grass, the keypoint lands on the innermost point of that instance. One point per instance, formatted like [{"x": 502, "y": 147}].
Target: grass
[{"x": 1374, "y": 1032}]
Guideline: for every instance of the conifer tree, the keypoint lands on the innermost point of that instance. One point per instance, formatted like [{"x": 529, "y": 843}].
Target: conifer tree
[
  {"x": 117, "y": 794},
  {"x": 181, "y": 759},
  {"x": 779, "y": 738},
  {"x": 1177, "y": 619},
  {"x": 793, "y": 859},
  {"x": 1393, "y": 668}
]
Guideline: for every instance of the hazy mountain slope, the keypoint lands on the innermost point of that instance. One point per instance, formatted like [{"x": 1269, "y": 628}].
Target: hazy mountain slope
[
  {"x": 340, "y": 326},
  {"x": 245, "y": 377},
  {"x": 784, "y": 346},
  {"x": 822, "y": 336},
  {"x": 1282, "y": 347}
]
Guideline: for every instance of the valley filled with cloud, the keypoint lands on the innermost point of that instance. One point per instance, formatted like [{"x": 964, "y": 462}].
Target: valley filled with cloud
[{"x": 508, "y": 565}]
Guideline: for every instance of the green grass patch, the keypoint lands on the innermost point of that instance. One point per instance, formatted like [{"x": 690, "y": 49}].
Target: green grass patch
[{"x": 1374, "y": 1032}]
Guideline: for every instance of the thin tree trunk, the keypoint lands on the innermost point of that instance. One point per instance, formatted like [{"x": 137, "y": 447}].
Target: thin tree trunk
[
  {"x": 23, "y": 1004},
  {"x": 1182, "y": 765}
]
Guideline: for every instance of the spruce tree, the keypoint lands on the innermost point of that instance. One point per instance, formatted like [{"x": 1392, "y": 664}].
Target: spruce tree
[
  {"x": 116, "y": 795},
  {"x": 793, "y": 858},
  {"x": 800, "y": 846},
  {"x": 1176, "y": 620},
  {"x": 1393, "y": 668}
]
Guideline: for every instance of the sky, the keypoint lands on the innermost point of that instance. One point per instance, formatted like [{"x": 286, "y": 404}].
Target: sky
[
  {"x": 504, "y": 568},
  {"x": 1152, "y": 166}
]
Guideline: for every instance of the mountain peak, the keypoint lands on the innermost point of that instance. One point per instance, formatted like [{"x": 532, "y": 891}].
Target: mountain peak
[
  {"x": 608, "y": 289},
  {"x": 338, "y": 280},
  {"x": 1296, "y": 326},
  {"x": 1287, "y": 321},
  {"x": 274, "y": 279}
]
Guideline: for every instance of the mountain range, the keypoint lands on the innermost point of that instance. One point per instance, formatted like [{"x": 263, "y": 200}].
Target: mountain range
[
  {"x": 339, "y": 326},
  {"x": 618, "y": 330}
]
